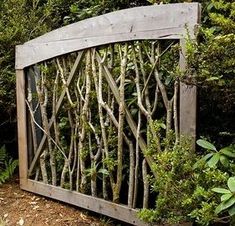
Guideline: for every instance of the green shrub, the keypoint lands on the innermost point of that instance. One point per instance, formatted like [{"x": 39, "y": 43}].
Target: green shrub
[{"x": 7, "y": 165}]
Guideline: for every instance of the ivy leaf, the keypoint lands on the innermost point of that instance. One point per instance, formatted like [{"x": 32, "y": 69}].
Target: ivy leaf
[
  {"x": 228, "y": 151},
  {"x": 221, "y": 190},
  {"x": 205, "y": 144},
  {"x": 214, "y": 160},
  {"x": 231, "y": 184},
  {"x": 226, "y": 197}
]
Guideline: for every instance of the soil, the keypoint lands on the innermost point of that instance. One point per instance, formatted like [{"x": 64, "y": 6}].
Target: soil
[{"x": 18, "y": 207}]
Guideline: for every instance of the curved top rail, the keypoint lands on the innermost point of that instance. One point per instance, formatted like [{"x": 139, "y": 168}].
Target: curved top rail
[{"x": 149, "y": 22}]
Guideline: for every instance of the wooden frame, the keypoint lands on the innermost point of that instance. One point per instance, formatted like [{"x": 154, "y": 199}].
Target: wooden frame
[{"x": 171, "y": 21}]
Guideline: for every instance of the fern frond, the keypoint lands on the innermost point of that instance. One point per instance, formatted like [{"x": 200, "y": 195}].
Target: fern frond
[{"x": 3, "y": 153}]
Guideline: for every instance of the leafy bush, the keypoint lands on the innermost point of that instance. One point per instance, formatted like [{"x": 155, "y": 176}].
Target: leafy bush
[
  {"x": 184, "y": 194},
  {"x": 188, "y": 185},
  {"x": 7, "y": 165}
]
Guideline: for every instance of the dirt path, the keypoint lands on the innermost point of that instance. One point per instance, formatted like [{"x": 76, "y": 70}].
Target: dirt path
[{"x": 18, "y": 207}]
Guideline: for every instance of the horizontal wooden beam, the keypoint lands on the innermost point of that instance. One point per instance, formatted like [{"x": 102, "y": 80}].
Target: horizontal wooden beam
[
  {"x": 98, "y": 205},
  {"x": 95, "y": 204},
  {"x": 168, "y": 21}
]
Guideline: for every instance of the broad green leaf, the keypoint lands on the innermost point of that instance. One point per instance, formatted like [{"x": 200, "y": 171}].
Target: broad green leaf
[
  {"x": 214, "y": 160},
  {"x": 228, "y": 151},
  {"x": 231, "y": 184},
  {"x": 226, "y": 197},
  {"x": 207, "y": 156},
  {"x": 205, "y": 144},
  {"x": 231, "y": 211},
  {"x": 221, "y": 190},
  {"x": 224, "y": 161},
  {"x": 228, "y": 203},
  {"x": 219, "y": 208},
  {"x": 203, "y": 159},
  {"x": 225, "y": 205}
]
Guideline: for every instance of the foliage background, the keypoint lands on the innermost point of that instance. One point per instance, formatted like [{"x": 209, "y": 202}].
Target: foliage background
[{"x": 211, "y": 62}]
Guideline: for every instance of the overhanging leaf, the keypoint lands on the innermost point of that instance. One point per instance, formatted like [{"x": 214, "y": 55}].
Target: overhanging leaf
[
  {"x": 228, "y": 203},
  {"x": 231, "y": 184},
  {"x": 205, "y": 144},
  {"x": 228, "y": 151},
  {"x": 225, "y": 205},
  {"x": 221, "y": 190},
  {"x": 203, "y": 159},
  {"x": 214, "y": 160},
  {"x": 226, "y": 197},
  {"x": 219, "y": 208}
]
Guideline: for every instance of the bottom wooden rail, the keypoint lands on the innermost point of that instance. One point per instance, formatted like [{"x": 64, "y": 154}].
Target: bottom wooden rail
[{"x": 117, "y": 211}]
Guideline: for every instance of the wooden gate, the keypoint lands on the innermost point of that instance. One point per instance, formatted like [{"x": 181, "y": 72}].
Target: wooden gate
[{"x": 95, "y": 96}]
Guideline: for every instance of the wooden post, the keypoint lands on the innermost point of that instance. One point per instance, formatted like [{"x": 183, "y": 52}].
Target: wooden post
[
  {"x": 188, "y": 93},
  {"x": 188, "y": 103},
  {"x": 22, "y": 126}
]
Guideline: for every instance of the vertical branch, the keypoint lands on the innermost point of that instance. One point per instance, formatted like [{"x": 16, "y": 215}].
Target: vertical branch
[
  {"x": 33, "y": 129},
  {"x": 146, "y": 184},
  {"x": 120, "y": 126},
  {"x": 175, "y": 111},
  {"x": 167, "y": 103},
  {"x": 169, "y": 117},
  {"x": 155, "y": 100},
  {"x": 47, "y": 129},
  {"x": 67, "y": 161},
  {"x": 71, "y": 170},
  {"x": 93, "y": 169},
  {"x": 131, "y": 175},
  {"x": 42, "y": 103},
  {"x": 77, "y": 131},
  {"x": 98, "y": 87},
  {"x": 140, "y": 104},
  {"x": 84, "y": 120},
  {"x": 94, "y": 158},
  {"x": 54, "y": 102},
  {"x": 146, "y": 92},
  {"x": 137, "y": 160}
]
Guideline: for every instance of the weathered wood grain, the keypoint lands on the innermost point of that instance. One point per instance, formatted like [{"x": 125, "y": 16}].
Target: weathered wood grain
[
  {"x": 22, "y": 126},
  {"x": 98, "y": 205},
  {"x": 188, "y": 96},
  {"x": 117, "y": 211},
  {"x": 151, "y": 22},
  {"x": 138, "y": 23}
]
